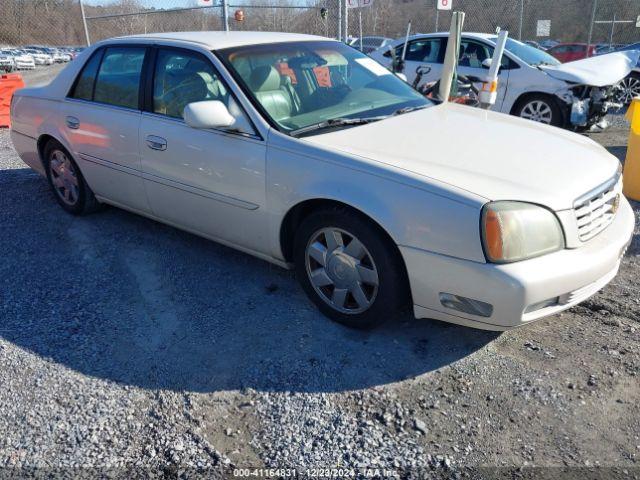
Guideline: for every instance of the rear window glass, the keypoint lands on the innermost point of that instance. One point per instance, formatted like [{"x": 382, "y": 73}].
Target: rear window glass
[
  {"x": 118, "y": 81},
  {"x": 84, "y": 85}
]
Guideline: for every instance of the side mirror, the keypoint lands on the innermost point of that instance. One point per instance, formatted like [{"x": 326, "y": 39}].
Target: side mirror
[
  {"x": 486, "y": 63},
  {"x": 208, "y": 114}
]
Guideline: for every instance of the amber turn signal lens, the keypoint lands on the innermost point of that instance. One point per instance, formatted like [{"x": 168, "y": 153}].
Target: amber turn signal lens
[{"x": 493, "y": 235}]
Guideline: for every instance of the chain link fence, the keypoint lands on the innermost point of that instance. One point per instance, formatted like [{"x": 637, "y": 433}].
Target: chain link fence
[
  {"x": 533, "y": 20},
  {"x": 60, "y": 22}
]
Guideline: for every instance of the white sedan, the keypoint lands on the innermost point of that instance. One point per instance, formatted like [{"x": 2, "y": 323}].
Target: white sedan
[
  {"x": 531, "y": 83},
  {"x": 306, "y": 153},
  {"x": 23, "y": 60}
]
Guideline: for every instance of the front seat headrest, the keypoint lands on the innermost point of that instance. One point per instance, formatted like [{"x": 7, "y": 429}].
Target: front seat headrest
[{"x": 264, "y": 78}]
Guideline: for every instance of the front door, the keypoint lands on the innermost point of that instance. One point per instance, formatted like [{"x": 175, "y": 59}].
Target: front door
[
  {"x": 470, "y": 63},
  {"x": 211, "y": 182}
]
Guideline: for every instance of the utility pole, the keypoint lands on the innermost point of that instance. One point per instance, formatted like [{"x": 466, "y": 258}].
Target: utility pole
[
  {"x": 521, "y": 18},
  {"x": 593, "y": 19},
  {"x": 339, "y": 20},
  {"x": 84, "y": 23},
  {"x": 346, "y": 21},
  {"x": 225, "y": 15}
]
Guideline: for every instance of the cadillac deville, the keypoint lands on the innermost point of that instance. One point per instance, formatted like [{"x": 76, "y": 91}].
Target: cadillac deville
[{"x": 304, "y": 152}]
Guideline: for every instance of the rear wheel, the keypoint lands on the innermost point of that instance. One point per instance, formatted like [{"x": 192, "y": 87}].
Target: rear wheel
[
  {"x": 349, "y": 268},
  {"x": 541, "y": 109},
  {"x": 66, "y": 181}
]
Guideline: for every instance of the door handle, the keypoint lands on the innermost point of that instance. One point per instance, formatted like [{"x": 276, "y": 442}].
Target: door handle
[
  {"x": 73, "y": 122},
  {"x": 156, "y": 143}
]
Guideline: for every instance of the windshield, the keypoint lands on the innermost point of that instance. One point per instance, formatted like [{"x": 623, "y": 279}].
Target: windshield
[
  {"x": 533, "y": 56},
  {"x": 301, "y": 84}
]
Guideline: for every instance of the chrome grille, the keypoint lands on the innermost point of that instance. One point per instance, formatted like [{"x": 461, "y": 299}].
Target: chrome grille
[{"x": 597, "y": 209}]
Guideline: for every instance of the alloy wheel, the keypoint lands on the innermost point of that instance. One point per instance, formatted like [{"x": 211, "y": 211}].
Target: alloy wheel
[
  {"x": 628, "y": 89},
  {"x": 538, "y": 111},
  {"x": 341, "y": 270},
  {"x": 64, "y": 177}
]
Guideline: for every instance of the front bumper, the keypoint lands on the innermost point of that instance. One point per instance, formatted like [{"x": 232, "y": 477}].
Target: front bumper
[{"x": 570, "y": 276}]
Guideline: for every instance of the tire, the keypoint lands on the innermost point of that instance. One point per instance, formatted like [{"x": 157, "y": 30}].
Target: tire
[
  {"x": 539, "y": 108},
  {"x": 628, "y": 88},
  {"x": 66, "y": 181},
  {"x": 361, "y": 284}
]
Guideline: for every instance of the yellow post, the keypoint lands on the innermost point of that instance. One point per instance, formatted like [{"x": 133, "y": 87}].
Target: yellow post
[{"x": 631, "y": 185}]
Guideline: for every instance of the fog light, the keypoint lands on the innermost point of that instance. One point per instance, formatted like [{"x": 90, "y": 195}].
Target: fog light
[
  {"x": 466, "y": 305},
  {"x": 540, "y": 305}
]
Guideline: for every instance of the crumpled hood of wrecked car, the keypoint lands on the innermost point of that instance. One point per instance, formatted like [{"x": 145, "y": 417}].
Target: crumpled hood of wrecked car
[{"x": 599, "y": 71}]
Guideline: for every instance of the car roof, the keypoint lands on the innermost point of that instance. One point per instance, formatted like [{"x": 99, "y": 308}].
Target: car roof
[
  {"x": 216, "y": 40},
  {"x": 473, "y": 35}
]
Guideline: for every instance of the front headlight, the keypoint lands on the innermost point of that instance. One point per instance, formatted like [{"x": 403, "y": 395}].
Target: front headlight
[{"x": 513, "y": 231}]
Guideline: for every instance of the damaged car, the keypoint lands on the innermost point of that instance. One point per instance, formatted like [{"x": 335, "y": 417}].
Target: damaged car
[{"x": 531, "y": 83}]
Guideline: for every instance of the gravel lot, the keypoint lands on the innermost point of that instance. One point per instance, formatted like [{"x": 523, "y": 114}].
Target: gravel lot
[{"x": 130, "y": 345}]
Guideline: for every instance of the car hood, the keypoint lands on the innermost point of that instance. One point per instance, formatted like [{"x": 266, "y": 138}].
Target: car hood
[
  {"x": 492, "y": 155},
  {"x": 597, "y": 71}
]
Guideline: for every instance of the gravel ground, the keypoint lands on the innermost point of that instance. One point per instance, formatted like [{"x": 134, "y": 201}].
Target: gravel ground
[{"x": 132, "y": 346}]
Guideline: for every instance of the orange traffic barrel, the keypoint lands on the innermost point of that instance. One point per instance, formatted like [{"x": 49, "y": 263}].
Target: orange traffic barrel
[
  {"x": 9, "y": 83},
  {"x": 631, "y": 174}
]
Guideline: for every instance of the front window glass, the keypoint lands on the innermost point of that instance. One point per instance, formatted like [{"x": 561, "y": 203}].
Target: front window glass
[
  {"x": 183, "y": 77},
  {"x": 528, "y": 54},
  {"x": 305, "y": 83}
]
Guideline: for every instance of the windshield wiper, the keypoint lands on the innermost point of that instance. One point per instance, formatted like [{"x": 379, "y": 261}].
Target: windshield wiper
[
  {"x": 401, "y": 111},
  {"x": 333, "y": 123}
]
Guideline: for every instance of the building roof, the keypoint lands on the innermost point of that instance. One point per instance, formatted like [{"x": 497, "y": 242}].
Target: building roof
[{"x": 218, "y": 40}]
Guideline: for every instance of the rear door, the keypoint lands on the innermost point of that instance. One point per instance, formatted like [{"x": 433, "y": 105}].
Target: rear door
[
  {"x": 101, "y": 117},
  {"x": 424, "y": 52}
]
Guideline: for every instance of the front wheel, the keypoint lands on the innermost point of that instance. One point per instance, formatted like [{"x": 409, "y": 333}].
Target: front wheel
[
  {"x": 628, "y": 88},
  {"x": 349, "y": 268},
  {"x": 541, "y": 109}
]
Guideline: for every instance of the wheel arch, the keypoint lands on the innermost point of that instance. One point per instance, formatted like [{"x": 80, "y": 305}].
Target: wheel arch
[
  {"x": 298, "y": 212},
  {"x": 553, "y": 98},
  {"x": 523, "y": 97},
  {"x": 41, "y": 144}
]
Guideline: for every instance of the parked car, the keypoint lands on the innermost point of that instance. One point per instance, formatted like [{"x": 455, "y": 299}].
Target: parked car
[
  {"x": 304, "y": 152},
  {"x": 629, "y": 86},
  {"x": 39, "y": 57},
  {"x": 569, "y": 52},
  {"x": 369, "y": 44},
  {"x": 23, "y": 60},
  {"x": 7, "y": 62},
  {"x": 532, "y": 84},
  {"x": 602, "y": 48},
  {"x": 547, "y": 44},
  {"x": 58, "y": 56}
]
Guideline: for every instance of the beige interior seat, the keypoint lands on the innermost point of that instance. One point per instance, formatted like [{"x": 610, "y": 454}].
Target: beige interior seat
[{"x": 266, "y": 83}]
